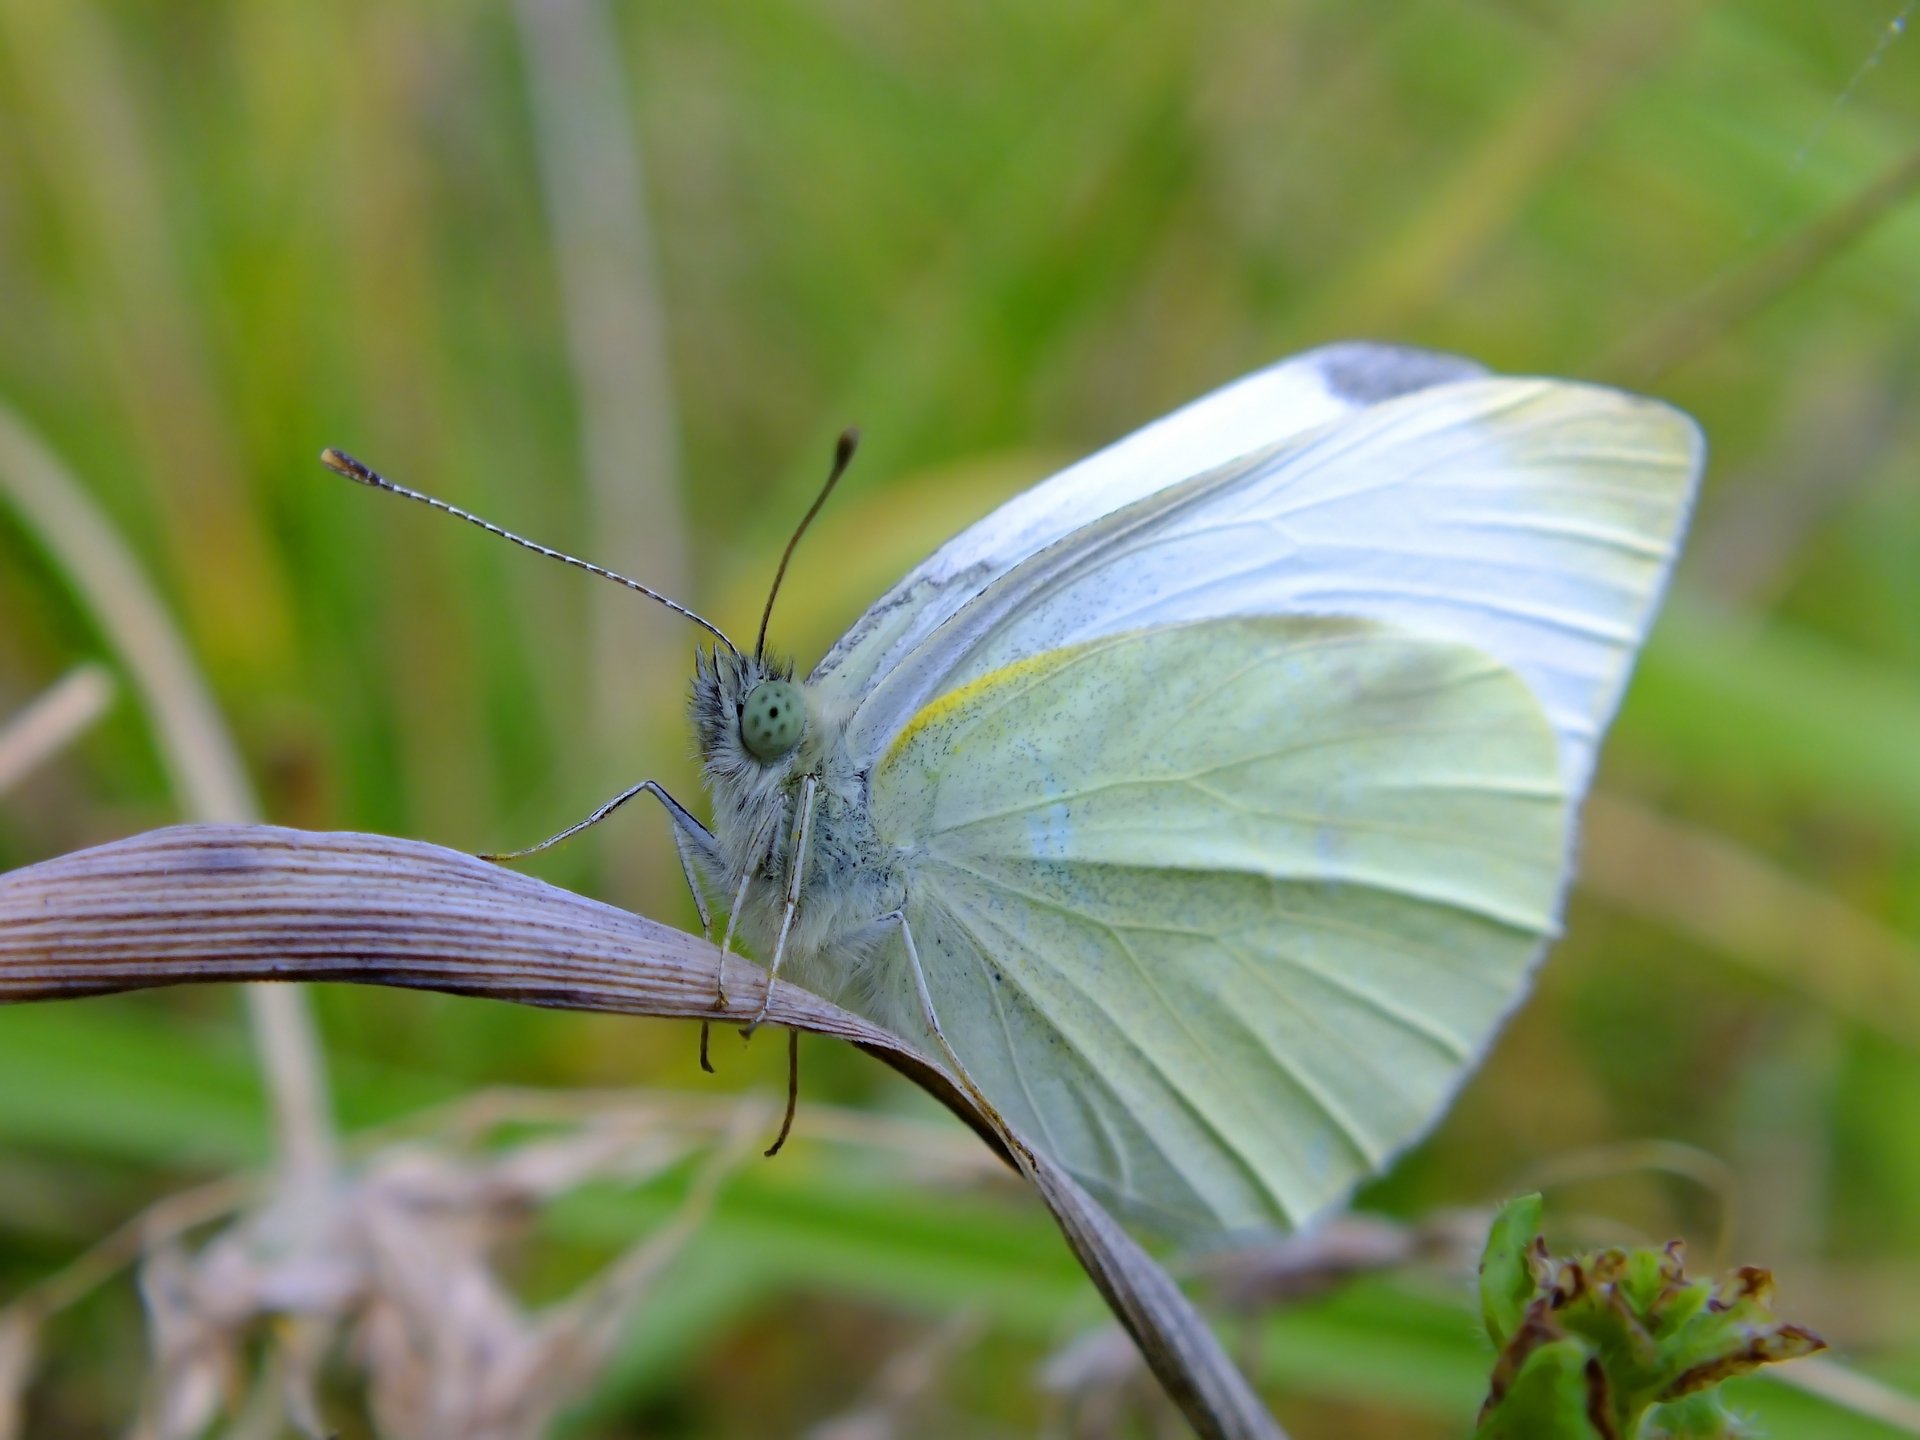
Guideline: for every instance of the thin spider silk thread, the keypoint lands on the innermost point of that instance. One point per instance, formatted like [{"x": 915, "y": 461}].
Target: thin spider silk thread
[{"x": 1891, "y": 32}]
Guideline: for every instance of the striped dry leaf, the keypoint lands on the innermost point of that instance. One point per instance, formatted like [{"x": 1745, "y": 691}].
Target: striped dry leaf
[{"x": 245, "y": 902}]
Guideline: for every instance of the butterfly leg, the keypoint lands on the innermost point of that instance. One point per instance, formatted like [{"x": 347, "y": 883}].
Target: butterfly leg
[
  {"x": 899, "y": 917},
  {"x": 682, "y": 847},
  {"x": 799, "y": 843},
  {"x": 692, "y": 842},
  {"x": 793, "y": 1094},
  {"x": 762, "y": 849},
  {"x": 684, "y": 828},
  {"x": 687, "y": 831},
  {"x": 720, "y": 1001}
]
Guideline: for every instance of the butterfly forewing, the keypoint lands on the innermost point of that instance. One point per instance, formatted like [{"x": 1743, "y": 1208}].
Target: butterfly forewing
[
  {"x": 1222, "y": 912},
  {"x": 1533, "y": 519},
  {"x": 1253, "y": 413}
]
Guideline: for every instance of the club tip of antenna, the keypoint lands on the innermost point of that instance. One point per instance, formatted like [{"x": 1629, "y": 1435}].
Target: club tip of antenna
[
  {"x": 849, "y": 442},
  {"x": 342, "y": 463}
]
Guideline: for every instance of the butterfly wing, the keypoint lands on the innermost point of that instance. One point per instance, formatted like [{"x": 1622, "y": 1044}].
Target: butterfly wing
[
  {"x": 1534, "y": 519},
  {"x": 1252, "y": 413},
  {"x": 1221, "y": 913},
  {"x": 1228, "y": 938}
]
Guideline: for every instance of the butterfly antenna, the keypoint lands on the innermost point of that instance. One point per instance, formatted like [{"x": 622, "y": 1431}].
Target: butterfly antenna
[
  {"x": 843, "y": 449},
  {"x": 342, "y": 463}
]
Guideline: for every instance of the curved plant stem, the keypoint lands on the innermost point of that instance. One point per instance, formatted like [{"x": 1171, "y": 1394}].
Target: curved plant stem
[
  {"x": 1729, "y": 302},
  {"x": 52, "y": 722}
]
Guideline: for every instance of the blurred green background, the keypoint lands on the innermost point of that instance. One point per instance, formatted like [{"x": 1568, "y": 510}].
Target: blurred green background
[{"x": 615, "y": 276}]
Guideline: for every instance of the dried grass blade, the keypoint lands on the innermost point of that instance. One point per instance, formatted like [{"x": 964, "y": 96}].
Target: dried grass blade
[{"x": 197, "y": 903}]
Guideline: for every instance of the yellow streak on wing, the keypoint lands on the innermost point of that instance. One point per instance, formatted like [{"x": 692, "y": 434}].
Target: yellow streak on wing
[{"x": 937, "y": 709}]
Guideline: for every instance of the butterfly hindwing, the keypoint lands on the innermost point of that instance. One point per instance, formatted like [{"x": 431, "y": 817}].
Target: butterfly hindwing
[{"x": 1222, "y": 912}]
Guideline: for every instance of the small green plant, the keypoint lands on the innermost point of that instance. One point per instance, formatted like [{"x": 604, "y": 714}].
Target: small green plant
[{"x": 1618, "y": 1344}]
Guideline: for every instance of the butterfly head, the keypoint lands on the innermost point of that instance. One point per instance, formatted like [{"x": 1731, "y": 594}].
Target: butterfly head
[{"x": 749, "y": 713}]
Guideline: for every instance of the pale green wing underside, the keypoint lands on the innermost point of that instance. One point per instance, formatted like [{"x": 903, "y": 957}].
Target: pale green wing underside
[{"x": 1222, "y": 913}]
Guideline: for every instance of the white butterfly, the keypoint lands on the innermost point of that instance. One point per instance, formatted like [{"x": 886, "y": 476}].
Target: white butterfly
[{"x": 1210, "y": 803}]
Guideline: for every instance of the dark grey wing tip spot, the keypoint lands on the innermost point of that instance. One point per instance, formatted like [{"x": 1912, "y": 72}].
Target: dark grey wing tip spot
[{"x": 1363, "y": 373}]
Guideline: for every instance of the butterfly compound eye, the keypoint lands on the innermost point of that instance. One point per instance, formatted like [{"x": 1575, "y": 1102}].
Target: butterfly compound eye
[{"x": 773, "y": 719}]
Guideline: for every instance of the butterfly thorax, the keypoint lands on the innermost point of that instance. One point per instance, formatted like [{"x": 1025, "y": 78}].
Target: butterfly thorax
[{"x": 847, "y": 882}]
